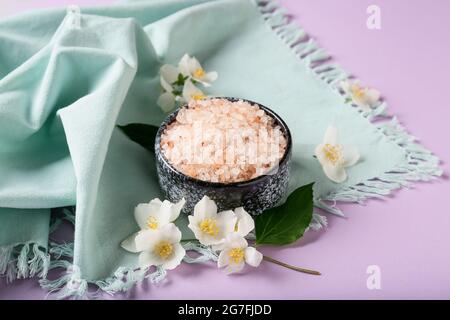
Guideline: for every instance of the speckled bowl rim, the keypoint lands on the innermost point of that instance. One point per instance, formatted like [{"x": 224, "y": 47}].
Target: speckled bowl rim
[{"x": 271, "y": 113}]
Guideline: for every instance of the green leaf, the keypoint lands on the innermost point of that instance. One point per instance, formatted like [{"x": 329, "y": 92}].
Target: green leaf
[
  {"x": 142, "y": 134},
  {"x": 287, "y": 223},
  {"x": 180, "y": 80}
]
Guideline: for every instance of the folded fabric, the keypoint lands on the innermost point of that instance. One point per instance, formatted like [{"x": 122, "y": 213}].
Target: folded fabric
[{"x": 67, "y": 80}]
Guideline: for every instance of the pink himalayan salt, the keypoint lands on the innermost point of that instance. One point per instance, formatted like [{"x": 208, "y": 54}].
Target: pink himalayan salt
[{"x": 218, "y": 140}]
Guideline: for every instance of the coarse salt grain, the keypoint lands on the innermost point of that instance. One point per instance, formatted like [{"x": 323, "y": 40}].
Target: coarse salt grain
[{"x": 218, "y": 140}]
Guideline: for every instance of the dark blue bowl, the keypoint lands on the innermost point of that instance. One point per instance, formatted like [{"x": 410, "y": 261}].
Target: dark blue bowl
[{"x": 255, "y": 195}]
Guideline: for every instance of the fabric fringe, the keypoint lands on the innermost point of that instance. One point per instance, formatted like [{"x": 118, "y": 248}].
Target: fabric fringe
[
  {"x": 71, "y": 285},
  {"x": 27, "y": 260},
  {"x": 205, "y": 253},
  {"x": 422, "y": 164},
  {"x": 318, "y": 222},
  {"x": 24, "y": 260},
  {"x": 58, "y": 250},
  {"x": 61, "y": 214},
  {"x": 126, "y": 278}
]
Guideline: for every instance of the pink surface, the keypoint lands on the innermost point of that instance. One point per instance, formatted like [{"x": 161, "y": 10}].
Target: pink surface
[{"x": 407, "y": 236}]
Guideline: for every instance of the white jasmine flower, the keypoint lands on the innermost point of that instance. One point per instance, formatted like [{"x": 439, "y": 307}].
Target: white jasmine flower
[
  {"x": 168, "y": 76},
  {"x": 156, "y": 214},
  {"x": 210, "y": 227},
  {"x": 189, "y": 66},
  {"x": 236, "y": 253},
  {"x": 190, "y": 91},
  {"x": 160, "y": 248},
  {"x": 153, "y": 216},
  {"x": 244, "y": 225},
  {"x": 179, "y": 82},
  {"x": 365, "y": 98},
  {"x": 334, "y": 157}
]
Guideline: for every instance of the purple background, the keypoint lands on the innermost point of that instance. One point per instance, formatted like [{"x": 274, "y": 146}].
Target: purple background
[{"x": 407, "y": 236}]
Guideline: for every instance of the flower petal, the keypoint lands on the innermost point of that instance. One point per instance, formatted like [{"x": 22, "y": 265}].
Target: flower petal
[
  {"x": 194, "y": 64},
  {"x": 129, "y": 243},
  {"x": 166, "y": 85},
  {"x": 190, "y": 91},
  {"x": 193, "y": 222},
  {"x": 166, "y": 101},
  {"x": 211, "y": 76},
  {"x": 171, "y": 233},
  {"x": 223, "y": 259},
  {"x": 234, "y": 240},
  {"x": 163, "y": 216},
  {"x": 146, "y": 239},
  {"x": 253, "y": 257},
  {"x": 176, "y": 209},
  {"x": 227, "y": 223},
  {"x": 219, "y": 246},
  {"x": 331, "y": 136},
  {"x": 185, "y": 65},
  {"x": 175, "y": 260},
  {"x": 345, "y": 85},
  {"x": 361, "y": 102},
  {"x": 143, "y": 211},
  {"x": 335, "y": 173},
  {"x": 320, "y": 154},
  {"x": 208, "y": 78},
  {"x": 235, "y": 267},
  {"x": 205, "y": 208},
  {"x": 245, "y": 222},
  {"x": 147, "y": 259},
  {"x": 372, "y": 96},
  {"x": 194, "y": 226},
  {"x": 350, "y": 155},
  {"x": 169, "y": 74}
]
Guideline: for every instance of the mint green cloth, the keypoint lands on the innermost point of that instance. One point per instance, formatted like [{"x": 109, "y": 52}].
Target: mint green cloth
[{"x": 64, "y": 88}]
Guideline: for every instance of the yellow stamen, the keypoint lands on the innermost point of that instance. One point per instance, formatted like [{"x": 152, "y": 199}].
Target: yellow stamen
[
  {"x": 198, "y": 96},
  {"x": 199, "y": 73},
  {"x": 332, "y": 153},
  {"x": 236, "y": 255},
  {"x": 152, "y": 223},
  {"x": 358, "y": 92},
  {"x": 209, "y": 226},
  {"x": 164, "y": 249}
]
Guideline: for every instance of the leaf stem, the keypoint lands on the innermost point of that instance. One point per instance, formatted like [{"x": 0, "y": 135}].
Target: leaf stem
[{"x": 313, "y": 272}]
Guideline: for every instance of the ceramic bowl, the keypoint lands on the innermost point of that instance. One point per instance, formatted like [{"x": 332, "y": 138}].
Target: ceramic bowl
[{"x": 255, "y": 195}]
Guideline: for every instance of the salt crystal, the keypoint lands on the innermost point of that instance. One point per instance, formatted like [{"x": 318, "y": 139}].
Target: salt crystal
[{"x": 222, "y": 141}]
